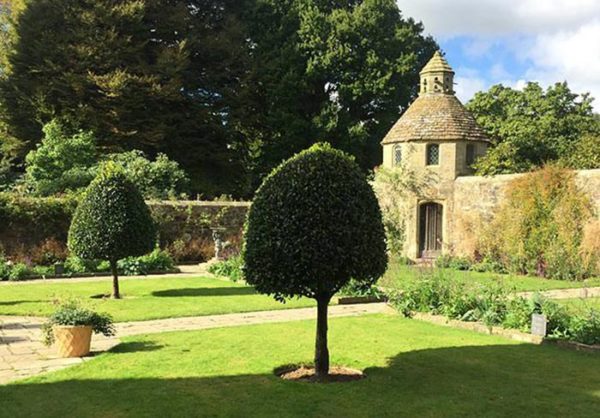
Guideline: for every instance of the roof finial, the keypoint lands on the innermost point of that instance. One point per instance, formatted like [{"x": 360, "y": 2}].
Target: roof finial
[{"x": 437, "y": 76}]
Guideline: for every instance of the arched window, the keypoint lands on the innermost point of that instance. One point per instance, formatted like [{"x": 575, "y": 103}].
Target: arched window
[
  {"x": 470, "y": 155},
  {"x": 433, "y": 154},
  {"x": 397, "y": 154}
]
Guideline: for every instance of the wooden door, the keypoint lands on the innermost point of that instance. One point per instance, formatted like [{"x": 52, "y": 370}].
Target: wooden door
[{"x": 430, "y": 230}]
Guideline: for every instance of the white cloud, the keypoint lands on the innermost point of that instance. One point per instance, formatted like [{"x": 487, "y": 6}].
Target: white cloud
[
  {"x": 569, "y": 55},
  {"x": 555, "y": 40},
  {"x": 466, "y": 87},
  {"x": 444, "y": 18}
]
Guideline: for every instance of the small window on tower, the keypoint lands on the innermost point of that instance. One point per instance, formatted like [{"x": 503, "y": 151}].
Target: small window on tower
[
  {"x": 470, "y": 155},
  {"x": 397, "y": 155},
  {"x": 433, "y": 154}
]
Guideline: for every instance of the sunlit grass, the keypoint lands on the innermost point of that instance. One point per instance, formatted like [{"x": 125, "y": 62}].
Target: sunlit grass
[{"x": 413, "y": 369}]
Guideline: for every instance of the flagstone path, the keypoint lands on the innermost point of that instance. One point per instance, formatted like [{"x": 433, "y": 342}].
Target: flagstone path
[
  {"x": 22, "y": 353},
  {"x": 584, "y": 292}
]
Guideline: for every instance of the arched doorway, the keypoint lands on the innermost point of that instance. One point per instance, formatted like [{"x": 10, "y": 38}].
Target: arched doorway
[{"x": 430, "y": 229}]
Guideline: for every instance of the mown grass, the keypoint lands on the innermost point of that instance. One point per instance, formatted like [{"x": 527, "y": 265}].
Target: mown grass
[
  {"x": 413, "y": 369},
  {"x": 144, "y": 299},
  {"x": 399, "y": 275},
  {"x": 580, "y": 305}
]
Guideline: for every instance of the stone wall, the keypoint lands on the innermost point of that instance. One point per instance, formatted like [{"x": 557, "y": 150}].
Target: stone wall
[
  {"x": 29, "y": 227},
  {"x": 475, "y": 200}
]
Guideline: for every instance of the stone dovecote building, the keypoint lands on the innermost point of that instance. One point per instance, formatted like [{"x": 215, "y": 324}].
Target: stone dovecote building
[{"x": 438, "y": 137}]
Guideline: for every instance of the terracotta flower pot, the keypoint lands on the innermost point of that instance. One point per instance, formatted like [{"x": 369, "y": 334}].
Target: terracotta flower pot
[{"x": 73, "y": 341}]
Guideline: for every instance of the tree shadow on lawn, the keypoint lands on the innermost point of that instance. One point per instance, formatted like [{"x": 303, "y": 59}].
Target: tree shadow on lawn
[
  {"x": 19, "y": 302},
  {"x": 205, "y": 291},
  {"x": 136, "y": 346},
  {"x": 501, "y": 380}
]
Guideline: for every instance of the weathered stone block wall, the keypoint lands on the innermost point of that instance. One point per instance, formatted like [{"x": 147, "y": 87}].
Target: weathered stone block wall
[
  {"x": 31, "y": 226},
  {"x": 475, "y": 199}
]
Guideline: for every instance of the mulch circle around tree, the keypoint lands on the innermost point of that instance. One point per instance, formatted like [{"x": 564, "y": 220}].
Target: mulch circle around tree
[{"x": 305, "y": 373}]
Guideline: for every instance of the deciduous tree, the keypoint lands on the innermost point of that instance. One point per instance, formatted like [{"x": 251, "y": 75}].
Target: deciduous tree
[{"x": 532, "y": 126}]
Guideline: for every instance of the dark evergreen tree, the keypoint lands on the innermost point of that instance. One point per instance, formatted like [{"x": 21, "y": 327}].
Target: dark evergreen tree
[
  {"x": 112, "y": 222},
  {"x": 228, "y": 88},
  {"x": 314, "y": 224},
  {"x": 150, "y": 75}
]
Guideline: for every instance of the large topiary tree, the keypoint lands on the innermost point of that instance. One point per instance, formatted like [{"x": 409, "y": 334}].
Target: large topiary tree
[
  {"x": 314, "y": 224},
  {"x": 112, "y": 221}
]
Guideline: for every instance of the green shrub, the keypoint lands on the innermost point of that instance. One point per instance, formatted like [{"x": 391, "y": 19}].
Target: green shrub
[
  {"x": 585, "y": 328},
  {"x": 4, "y": 268},
  {"x": 494, "y": 305},
  {"x": 231, "y": 267},
  {"x": 355, "y": 288},
  {"x": 42, "y": 271},
  {"x": 72, "y": 313},
  {"x": 156, "y": 261},
  {"x": 488, "y": 264},
  {"x": 112, "y": 221},
  {"x": 314, "y": 224},
  {"x": 453, "y": 262},
  {"x": 159, "y": 179},
  {"x": 19, "y": 271},
  {"x": 76, "y": 265},
  {"x": 51, "y": 217},
  {"x": 539, "y": 229},
  {"x": 62, "y": 162}
]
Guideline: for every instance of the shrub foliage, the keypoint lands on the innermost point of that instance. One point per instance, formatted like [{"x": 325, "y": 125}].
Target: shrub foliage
[
  {"x": 314, "y": 224},
  {"x": 494, "y": 305},
  {"x": 62, "y": 162},
  {"x": 540, "y": 227},
  {"x": 112, "y": 221}
]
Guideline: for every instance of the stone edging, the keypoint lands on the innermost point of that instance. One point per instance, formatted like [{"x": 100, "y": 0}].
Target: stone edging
[
  {"x": 513, "y": 334},
  {"x": 479, "y": 327}
]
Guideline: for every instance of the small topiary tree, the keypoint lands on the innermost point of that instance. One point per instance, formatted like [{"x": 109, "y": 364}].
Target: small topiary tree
[
  {"x": 314, "y": 224},
  {"x": 112, "y": 221}
]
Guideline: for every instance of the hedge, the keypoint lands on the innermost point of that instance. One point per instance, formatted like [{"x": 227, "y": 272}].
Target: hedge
[{"x": 30, "y": 227}]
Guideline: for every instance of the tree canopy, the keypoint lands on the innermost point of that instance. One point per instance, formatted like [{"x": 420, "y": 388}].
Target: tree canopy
[
  {"x": 227, "y": 88},
  {"x": 534, "y": 126},
  {"x": 112, "y": 221},
  {"x": 314, "y": 224},
  {"x": 335, "y": 71}
]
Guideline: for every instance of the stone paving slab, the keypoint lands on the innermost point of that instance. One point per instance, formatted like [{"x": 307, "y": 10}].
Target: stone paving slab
[
  {"x": 22, "y": 353},
  {"x": 584, "y": 292}
]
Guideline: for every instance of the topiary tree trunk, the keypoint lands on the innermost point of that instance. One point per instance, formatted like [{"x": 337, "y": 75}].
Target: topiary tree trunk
[
  {"x": 321, "y": 348},
  {"x": 112, "y": 221},
  {"x": 314, "y": 224},
  {"x": 113, "y": 268}
]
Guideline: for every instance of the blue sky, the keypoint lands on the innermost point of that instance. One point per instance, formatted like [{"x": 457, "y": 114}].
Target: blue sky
[{"x": 514, "y": 41}]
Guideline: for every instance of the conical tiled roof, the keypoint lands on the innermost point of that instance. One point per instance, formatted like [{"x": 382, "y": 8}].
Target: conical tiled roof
[
  {"x": 436, "y": 115},
  {"x": 437, "y": 63}
]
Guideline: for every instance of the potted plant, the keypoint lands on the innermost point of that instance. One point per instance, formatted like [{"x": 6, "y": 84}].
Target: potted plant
[{"x": 71, "y": 327}]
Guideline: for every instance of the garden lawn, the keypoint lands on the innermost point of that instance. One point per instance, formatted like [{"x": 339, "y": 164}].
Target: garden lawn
[
  {"x": 399, "y": 275},
  {"x": 580, "y": 305},
  {"x": 144, "y": 299},
  {"x": 413, "y": 369}
]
